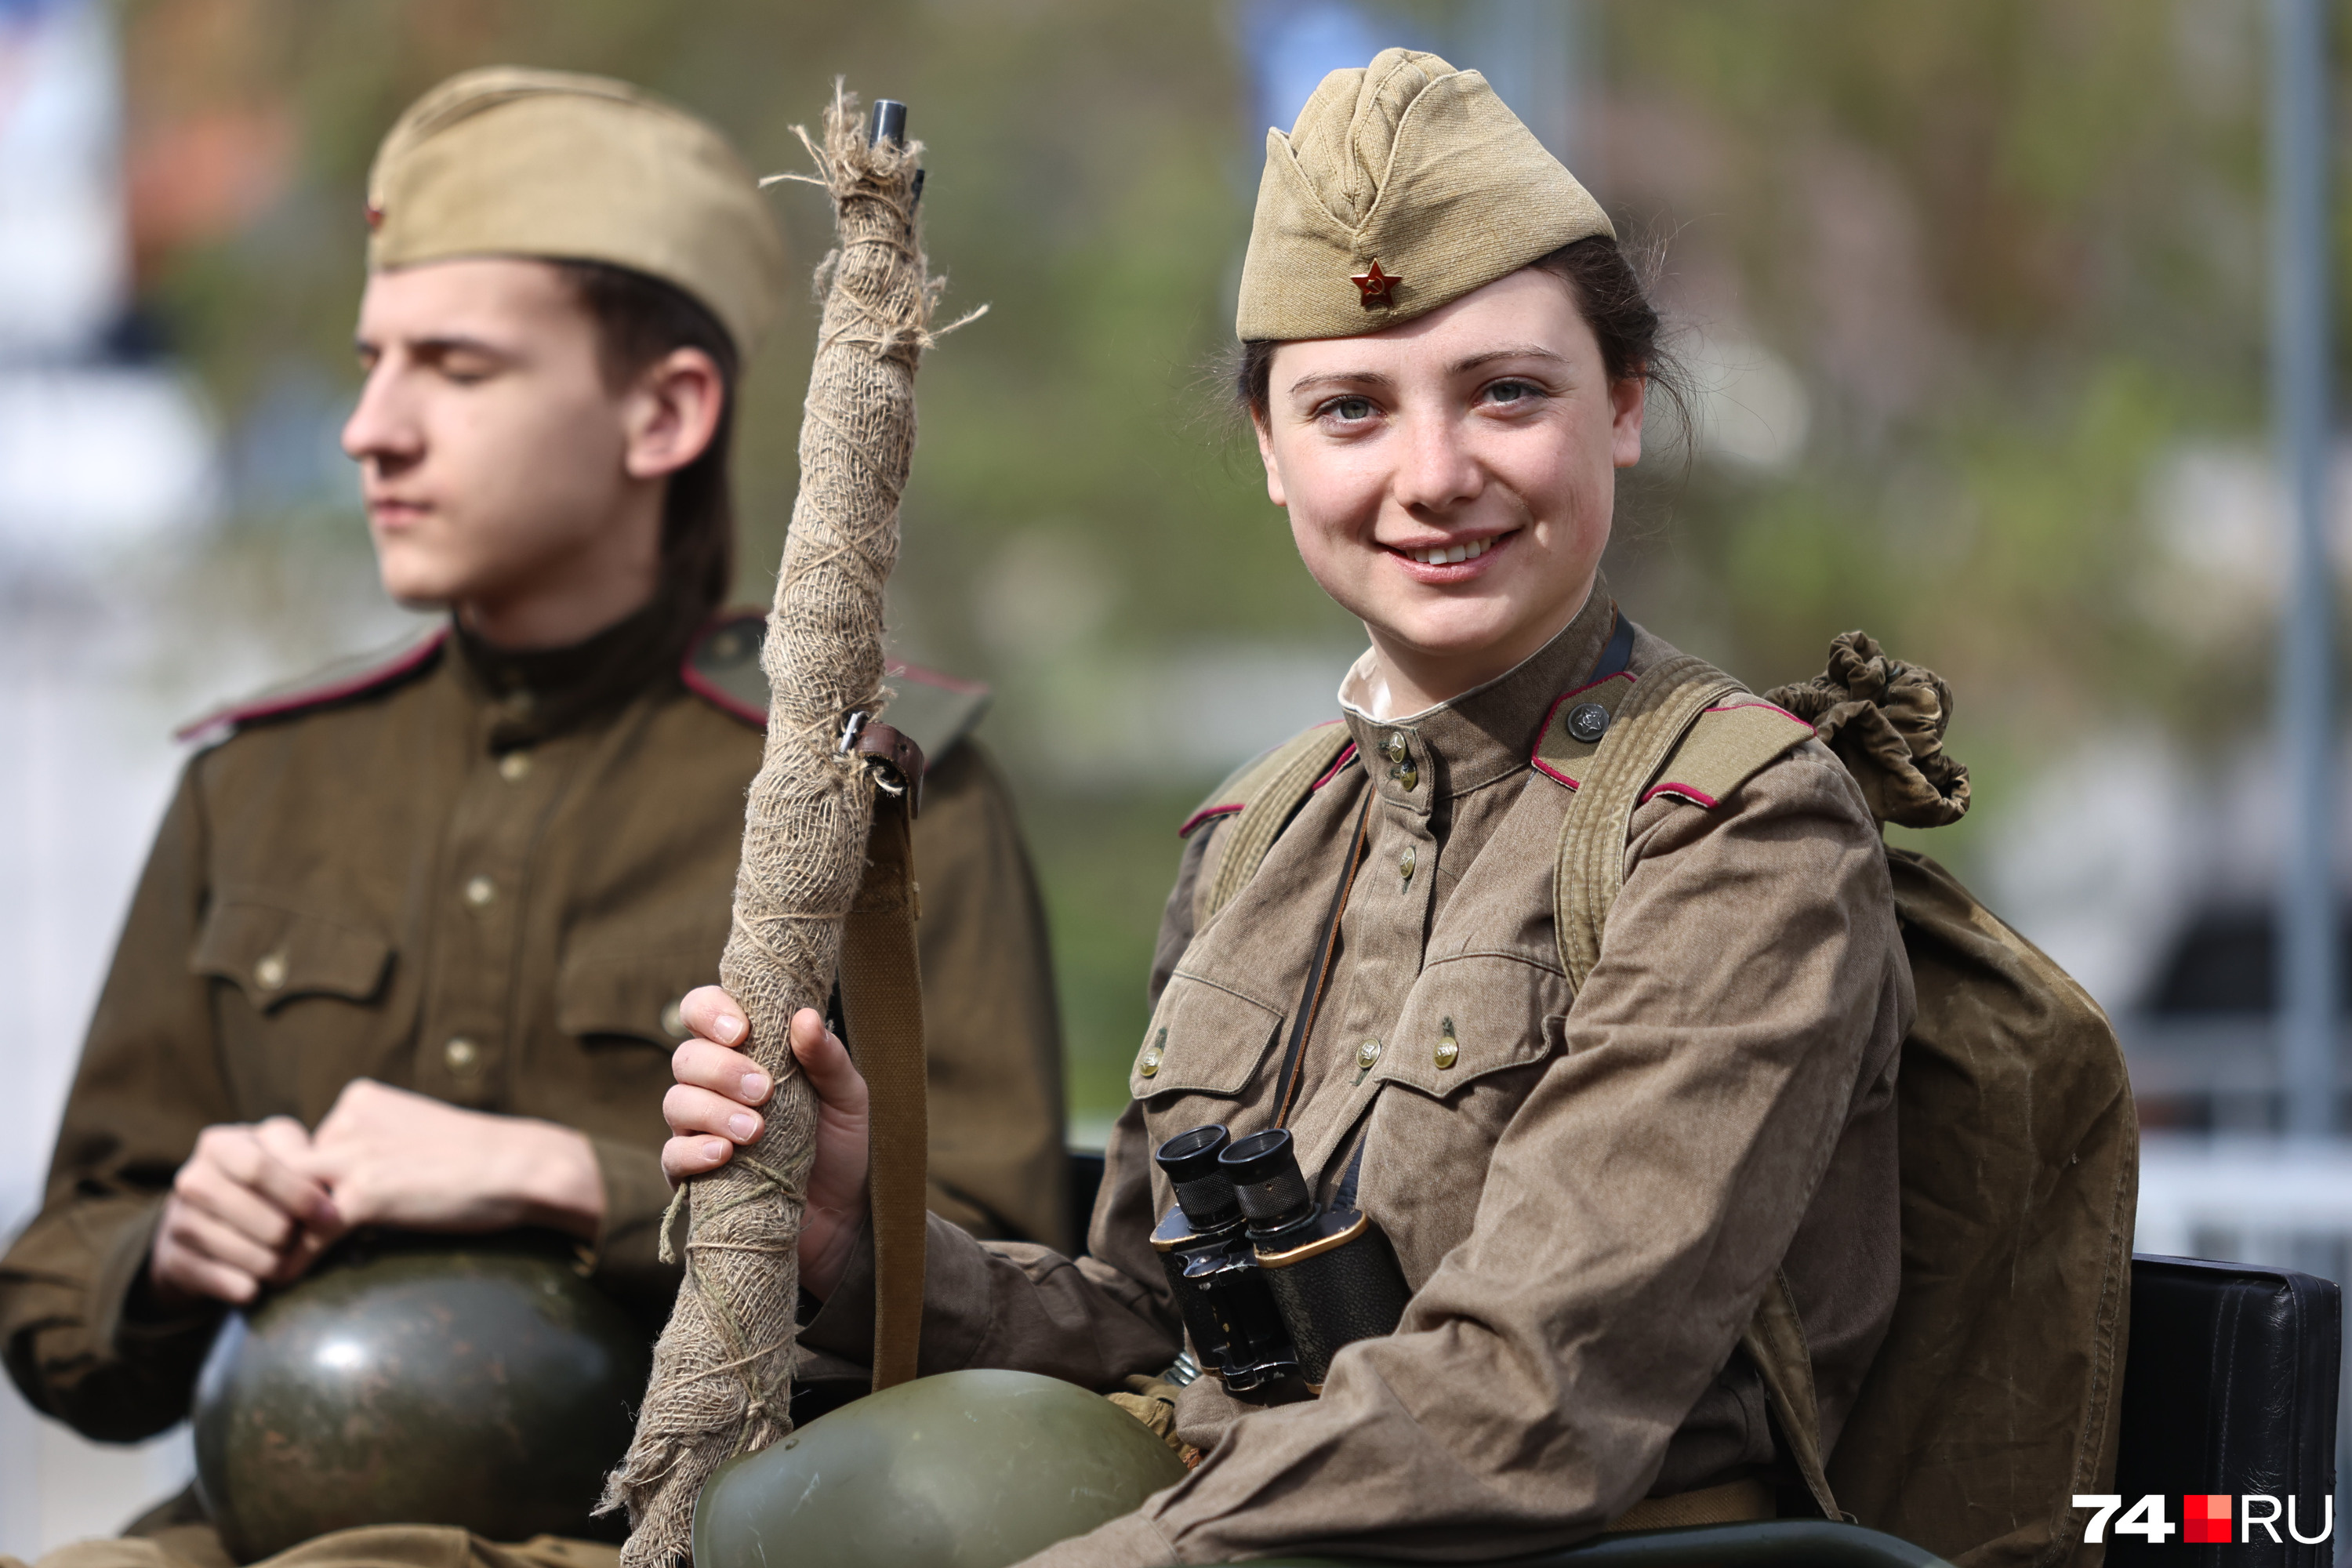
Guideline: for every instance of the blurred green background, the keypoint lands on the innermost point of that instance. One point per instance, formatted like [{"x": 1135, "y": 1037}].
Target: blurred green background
[{"x": 1979, "y": 291}]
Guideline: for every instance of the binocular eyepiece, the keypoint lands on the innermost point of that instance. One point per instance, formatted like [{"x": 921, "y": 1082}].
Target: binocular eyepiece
[
  {"x": 1263, "y": 1171},
  {"x": 1269, "y": 1281},
  {"x": 1194, "y": 1166},
  {"x": 1204, "y": 1247}
]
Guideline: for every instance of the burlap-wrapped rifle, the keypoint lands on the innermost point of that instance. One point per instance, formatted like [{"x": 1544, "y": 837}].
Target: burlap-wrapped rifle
[{"x": 816, "y": 855}]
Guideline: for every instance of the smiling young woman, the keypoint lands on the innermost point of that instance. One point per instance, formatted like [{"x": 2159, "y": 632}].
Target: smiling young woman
[
  {"x": 1451, "y": 481},
  {"x": 1557, "y": 363},
  {"x": 1596, "y": 1161}
]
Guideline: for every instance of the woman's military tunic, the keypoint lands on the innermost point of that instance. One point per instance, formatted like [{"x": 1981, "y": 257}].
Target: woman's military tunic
[{"x": 1589, "y": 1194}]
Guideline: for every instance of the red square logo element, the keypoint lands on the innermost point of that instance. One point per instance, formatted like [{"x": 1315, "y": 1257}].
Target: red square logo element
[{"x": 2205, "y": 1516}]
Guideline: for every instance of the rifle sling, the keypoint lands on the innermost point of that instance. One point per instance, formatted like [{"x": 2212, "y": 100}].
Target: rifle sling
[{"x": 882, "y": 999}]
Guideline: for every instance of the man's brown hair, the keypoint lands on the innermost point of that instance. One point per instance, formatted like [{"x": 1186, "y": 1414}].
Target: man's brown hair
[{"x": 638, "y": 319}]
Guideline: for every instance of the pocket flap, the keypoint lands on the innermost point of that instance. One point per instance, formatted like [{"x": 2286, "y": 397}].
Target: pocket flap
[
  {"x": 1469, "y": 1017},
  {"x": 632, "y": 995},
  {"x": 273, "y": 954},
  {"x": 1205, "y": 1039}
]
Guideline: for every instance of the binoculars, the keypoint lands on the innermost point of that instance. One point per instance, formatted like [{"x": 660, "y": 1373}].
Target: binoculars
[{"x": 1270, "y": 1282}]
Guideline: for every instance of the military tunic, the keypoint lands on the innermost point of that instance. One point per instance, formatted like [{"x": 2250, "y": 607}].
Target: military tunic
[
  {"x": 490, "y": 878},
  {"x": 1588, "y": 1193}
]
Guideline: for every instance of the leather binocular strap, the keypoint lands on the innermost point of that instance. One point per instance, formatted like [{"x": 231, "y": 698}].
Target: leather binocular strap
[
  {"x": 882, "y": 1001},
  {"x": 1733, "y": 1503}
]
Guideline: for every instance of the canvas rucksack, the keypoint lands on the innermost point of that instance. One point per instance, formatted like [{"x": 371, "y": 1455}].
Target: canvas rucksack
[{"x": 1994, "y": 1398}]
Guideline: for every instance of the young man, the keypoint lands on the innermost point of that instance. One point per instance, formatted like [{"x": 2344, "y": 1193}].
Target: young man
[{"x": 410, "y": 945}]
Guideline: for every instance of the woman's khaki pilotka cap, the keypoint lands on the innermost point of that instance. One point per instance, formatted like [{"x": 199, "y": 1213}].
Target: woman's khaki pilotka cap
[
  {"x": 1403, "y": 186},
  {"x": 511, "y": 162}
]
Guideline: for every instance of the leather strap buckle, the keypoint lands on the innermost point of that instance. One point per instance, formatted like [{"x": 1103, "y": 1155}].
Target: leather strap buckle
[{"x": 897, "y": 760}]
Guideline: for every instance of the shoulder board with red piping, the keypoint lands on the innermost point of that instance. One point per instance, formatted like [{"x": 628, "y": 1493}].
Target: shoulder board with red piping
[
  {"x": 1262, "y": 800},
  {"x": 723, "y": 666},
  {"x": 1244, "y": 783},
  {"x": 1726, "y": 745},
  {"x": 1730, "y": 743},
  {"x": 358, "y": 676}
]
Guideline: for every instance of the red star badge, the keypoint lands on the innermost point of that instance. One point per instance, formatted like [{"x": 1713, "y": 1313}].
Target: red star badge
[
  {"x": 375, "y": 218},
  {"x": 1376, "y": 284}
]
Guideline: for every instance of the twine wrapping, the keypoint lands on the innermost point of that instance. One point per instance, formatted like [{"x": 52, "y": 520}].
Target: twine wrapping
[{"x": 722, "y": 1371}]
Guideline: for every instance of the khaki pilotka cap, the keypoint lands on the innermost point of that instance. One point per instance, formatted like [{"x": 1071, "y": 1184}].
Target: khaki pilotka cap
[
  {"x": 1403, "y": 186},
  {"x": 511, "y": 162}
]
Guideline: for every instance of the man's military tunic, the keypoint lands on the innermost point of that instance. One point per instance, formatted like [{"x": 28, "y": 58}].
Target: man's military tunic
[
  {"x": 1589, "y": 1193},
  {"x": 490, "y": 878}
]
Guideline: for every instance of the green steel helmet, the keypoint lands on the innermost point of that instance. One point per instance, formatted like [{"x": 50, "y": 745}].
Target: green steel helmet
[
  {"x": 479, "y": 1382},
  {"x": 967, "y": 1469}
]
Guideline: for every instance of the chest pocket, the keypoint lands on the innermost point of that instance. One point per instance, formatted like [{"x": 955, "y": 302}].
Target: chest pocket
[
  {"x": 631, "y": 995},
  {"x": 1206, "y": 1039},
  {"x": 1469, "y": 1017},
  {"x": 275, "y": 954}
]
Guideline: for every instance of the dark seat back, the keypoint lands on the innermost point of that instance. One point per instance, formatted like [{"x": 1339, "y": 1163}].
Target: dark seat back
[
  {"x": 1086, "y": 1181},
  {"x": 2230, "y": 1388}
]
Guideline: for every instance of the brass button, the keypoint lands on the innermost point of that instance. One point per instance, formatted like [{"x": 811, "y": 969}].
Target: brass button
[
  {"x": 1588, "y": 722},
  {"x": 1395, "y": 747},
  {"x": 463, "y": 1058},
  {"x": 1367, "y": 1054},
  {"x": 673, "y": 1020},
  {"x": 1404, "y": 866},
  {"x": 1148, "y": 1064},
  {"x": 1408, "y": 775},
  {"x": 1449, "y": 1049},
  {"x": 269, "y": 974},
  {"x": 514, "y": 766},
  {"x": 480, "y": 892}
]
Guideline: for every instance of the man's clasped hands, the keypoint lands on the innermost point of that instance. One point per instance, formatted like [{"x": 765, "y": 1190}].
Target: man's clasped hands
[{"x": 257, "y": 1203}]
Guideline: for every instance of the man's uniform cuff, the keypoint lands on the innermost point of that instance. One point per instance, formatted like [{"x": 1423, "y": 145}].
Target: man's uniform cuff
[{"x": 117, "y": 1320}]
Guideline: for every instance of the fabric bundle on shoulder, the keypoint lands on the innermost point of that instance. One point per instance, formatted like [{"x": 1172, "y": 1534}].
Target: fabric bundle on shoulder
[{"x": 1885, "y": 720}]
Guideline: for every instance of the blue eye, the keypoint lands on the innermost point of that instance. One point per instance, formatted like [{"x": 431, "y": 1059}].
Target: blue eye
[{"x": 1351, "y": 409}]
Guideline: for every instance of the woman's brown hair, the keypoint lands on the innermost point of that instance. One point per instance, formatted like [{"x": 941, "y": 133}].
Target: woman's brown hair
[{"x": 1610, "y": 295}]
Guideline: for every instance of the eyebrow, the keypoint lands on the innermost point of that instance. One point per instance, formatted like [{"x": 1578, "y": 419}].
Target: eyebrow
[
  {"x": 1341, "y": 377},
  {"x": 439, "y": 346},
  {"x": 1378, "y": 378},
  {"x": 1514, "y": 351}
]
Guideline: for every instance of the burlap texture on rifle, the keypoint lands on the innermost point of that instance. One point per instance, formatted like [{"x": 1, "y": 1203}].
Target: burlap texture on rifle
[{"x": 721, "y": 1378}]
